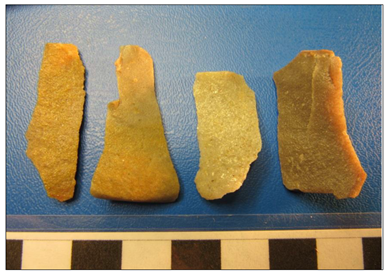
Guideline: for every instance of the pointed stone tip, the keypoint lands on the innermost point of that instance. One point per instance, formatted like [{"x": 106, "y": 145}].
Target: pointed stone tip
[{"x": 133, "y": 50}]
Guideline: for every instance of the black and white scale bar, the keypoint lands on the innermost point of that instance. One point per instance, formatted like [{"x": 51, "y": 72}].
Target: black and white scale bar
[{"x": 298, "y": 254}]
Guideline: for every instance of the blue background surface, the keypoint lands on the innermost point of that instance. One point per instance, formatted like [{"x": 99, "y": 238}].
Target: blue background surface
[{"x": 254, "y": 41}]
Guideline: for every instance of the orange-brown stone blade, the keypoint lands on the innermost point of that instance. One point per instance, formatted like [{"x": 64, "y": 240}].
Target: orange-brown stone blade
[
  {"x": 53, "y": 133},
  {"x": 135, "y": 164},
  {"x": 316, "y": 154}
]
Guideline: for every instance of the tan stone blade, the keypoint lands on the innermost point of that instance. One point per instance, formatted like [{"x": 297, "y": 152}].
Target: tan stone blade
[
  {"x": 135, "y": 164},
  {"x": 316, "y": 154},
  {"x": 53, "y": 133},
  {"x": 228, "y": 132}
]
